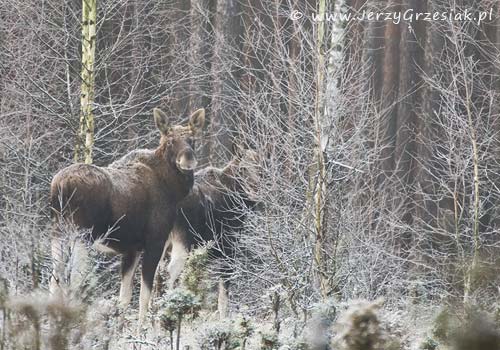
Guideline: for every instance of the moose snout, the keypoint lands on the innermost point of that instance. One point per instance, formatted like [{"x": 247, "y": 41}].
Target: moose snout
[{"x": 186, "y": 161}]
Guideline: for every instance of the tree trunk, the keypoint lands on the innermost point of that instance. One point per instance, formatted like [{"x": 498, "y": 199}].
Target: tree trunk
[
  {"x": 226, "y": 75},
  {"x": 390, "y": 86},
  {"x": 374, "y": 54},
  {"x": 202, "y": 44},
  {"x": 181, "y": 51},
  {"x": 409, "y": 102},
  {"x": 178, "y": 340},
  {"x": 85, "y": 142},
  {"x": 320, "y": 197}
]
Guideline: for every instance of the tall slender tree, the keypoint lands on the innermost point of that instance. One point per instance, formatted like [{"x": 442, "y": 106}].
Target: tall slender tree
[{"x": 85, "y": 142}]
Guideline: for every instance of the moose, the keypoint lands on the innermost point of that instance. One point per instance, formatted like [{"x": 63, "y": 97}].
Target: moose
[
  {"x": 214, "y": 210},
  {"x": 130, "y": 205}
]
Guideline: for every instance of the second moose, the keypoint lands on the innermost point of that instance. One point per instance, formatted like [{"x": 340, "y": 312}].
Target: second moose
[{"x": 215, "y": 210}]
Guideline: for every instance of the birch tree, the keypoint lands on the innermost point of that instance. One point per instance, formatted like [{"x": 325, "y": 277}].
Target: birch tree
[{"x": 85, "y": 141}]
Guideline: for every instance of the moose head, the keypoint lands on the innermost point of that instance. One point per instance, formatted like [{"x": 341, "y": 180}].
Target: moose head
[{"x": 177, "y": 142}]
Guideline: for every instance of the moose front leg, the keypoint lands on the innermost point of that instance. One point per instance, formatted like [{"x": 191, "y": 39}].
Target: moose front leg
[{"x": 150, "y": 260}]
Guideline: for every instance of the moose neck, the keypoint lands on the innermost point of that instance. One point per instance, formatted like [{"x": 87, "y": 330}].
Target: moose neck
[
  {"x": 172, "y": 178},
  {"x": 183, "y": 182}
]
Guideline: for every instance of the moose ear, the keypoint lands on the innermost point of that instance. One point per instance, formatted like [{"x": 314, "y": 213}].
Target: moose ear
[
  {"x": 197, "y": 120},
  {"x": 160, "y": 120}
]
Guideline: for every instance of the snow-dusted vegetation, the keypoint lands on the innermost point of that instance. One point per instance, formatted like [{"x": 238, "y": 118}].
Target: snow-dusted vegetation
[{"x": 346, "y": 187}]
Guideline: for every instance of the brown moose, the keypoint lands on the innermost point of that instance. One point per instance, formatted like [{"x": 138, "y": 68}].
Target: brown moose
[{"x": 130, "y": 205}]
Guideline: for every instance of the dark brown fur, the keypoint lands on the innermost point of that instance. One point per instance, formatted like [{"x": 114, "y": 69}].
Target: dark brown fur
[
  {"x": 215, "y": 210},
  {"x": 134, "y": 198}
]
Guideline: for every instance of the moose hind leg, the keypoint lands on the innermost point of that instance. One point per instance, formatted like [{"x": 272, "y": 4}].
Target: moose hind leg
[
  {"x": 151, "y": 257},
  {"x": 178, "y": 259},
  {"x": 79, "y": 264},
  {"x": 224, "y": 282},
  {"x": 223, "y": 299},
  {"x": 128, "y": 267},
  {"x": 57, "y": 277}
]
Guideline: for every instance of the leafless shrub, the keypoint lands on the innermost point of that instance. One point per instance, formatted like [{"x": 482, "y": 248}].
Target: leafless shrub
[
  {"x": 359, "y": 328},
  {"x": 66, "y": 321},
  {"x": 379, "y": 144}
]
